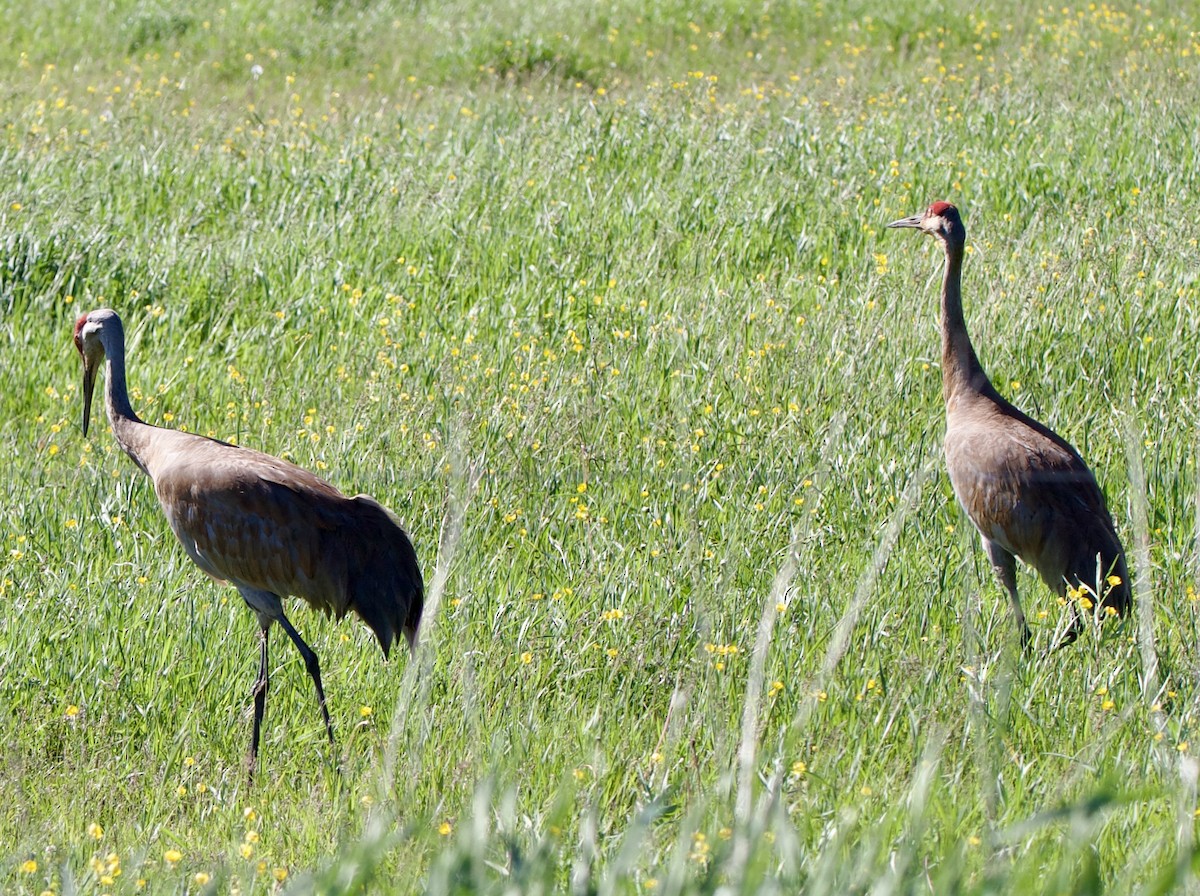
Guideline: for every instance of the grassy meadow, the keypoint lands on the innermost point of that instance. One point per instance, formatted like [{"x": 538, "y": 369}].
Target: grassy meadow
[{"x": 597, "y": 297}]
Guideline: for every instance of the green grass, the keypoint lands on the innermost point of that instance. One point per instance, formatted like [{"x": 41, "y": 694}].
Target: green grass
[{"x": 598, "y": 299}]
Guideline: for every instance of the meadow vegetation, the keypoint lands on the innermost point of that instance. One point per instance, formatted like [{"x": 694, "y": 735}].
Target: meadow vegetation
[{"x": 597, "y": 297}]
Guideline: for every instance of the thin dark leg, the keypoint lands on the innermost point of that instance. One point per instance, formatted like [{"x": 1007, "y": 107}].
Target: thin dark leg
[
  {"x": 261, "y": 684},
  {"x": 1074, "y": 629},
  {"x": 1005, "y": 566},
  {"x": 314, "y": 669}
]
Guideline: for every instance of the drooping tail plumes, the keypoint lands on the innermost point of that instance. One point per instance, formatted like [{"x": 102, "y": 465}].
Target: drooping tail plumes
[{"x": 387, "y": 590}]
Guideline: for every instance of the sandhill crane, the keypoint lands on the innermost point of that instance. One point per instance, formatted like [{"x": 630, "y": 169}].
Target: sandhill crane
[
  {"x": 1025, "y": 488},
  {"x": 268, "y": 527}
]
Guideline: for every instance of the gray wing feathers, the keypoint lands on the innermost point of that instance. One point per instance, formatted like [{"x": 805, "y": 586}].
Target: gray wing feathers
[
  {"x": 1037, "y": 498},
  {"x": 262, "y": 523}
]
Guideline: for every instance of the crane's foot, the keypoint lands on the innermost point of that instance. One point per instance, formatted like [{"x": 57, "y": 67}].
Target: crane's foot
[
  {"x": 1026, "y": 639},
  {"x": 1069, "y": 638}
]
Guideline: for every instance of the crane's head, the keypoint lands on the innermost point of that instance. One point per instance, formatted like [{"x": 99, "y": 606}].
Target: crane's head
[
  {"x": 940, "y": 220},
  {"x": 92, "y": 331}
]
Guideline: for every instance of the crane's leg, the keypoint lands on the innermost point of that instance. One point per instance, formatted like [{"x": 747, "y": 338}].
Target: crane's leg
[
  {"x": 260, "y": 695},
  {"x": 1073, "y": 629},
  {"x": 314, "y": 669},
  {"x": 1005, "y": 566},
  {"x": 1078, "y": 620}
]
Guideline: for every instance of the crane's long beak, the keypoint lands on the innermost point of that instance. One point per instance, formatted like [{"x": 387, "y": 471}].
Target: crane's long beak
[
  {"x": 89, "y": 384},
  {"x": 914, "y": 222}
]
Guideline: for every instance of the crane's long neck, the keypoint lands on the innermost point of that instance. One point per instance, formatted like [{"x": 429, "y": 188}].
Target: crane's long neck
[
  {"x": 131, "y": 433},
  {"x": 962, "y": 374}
]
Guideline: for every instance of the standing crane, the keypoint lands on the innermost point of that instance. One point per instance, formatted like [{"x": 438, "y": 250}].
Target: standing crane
[
  {"x": 1025, "y": 488},
  {"x": 268, "y": 527}
]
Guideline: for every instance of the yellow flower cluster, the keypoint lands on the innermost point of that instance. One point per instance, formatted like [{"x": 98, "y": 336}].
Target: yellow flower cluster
[{"x": 720, "y": 653}]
